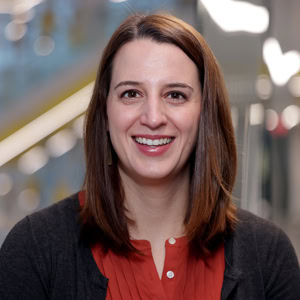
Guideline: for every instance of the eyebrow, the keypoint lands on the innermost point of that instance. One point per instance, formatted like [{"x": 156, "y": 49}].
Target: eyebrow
[
  {"x": 179, "y": 84},
  {"x": 135, "y": 83},
  {"x": 170, "y": 85}
]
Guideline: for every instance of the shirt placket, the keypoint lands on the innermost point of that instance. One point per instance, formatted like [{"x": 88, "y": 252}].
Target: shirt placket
[{"x": 175, "y": 254}]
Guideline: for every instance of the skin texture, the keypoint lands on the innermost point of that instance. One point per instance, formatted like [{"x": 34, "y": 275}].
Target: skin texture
[
  {"x": 154, "y": 92},
  {"x": 151, "y": 108}
]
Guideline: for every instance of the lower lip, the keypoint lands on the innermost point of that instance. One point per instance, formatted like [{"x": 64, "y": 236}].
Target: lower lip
[{"x": 153, "y": 150}]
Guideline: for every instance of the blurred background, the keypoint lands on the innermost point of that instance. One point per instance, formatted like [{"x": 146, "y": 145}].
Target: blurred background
[{"x": 49, "y": 52}]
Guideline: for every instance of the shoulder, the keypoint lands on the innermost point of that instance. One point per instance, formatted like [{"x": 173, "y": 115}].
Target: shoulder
[
  {"x": 264, "y": 235},
  {"x": 54, "y": 224},
  {"x": 249, "y": 225},
  {"x": 264, "y": 257},
  {"x": 261, "y": 236},
  {"x": 61, "y": 215},
  {"x": 39, "y": 249}
]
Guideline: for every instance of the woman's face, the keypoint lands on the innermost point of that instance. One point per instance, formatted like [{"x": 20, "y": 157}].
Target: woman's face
[{"x": 153, "y": 109}]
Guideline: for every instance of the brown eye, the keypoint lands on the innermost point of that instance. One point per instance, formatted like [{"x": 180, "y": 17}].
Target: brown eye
[
  {"x": 176, "y": 96},
  {"x": 130, "y": 94}
]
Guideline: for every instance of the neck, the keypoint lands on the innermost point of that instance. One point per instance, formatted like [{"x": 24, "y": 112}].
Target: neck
[{"x": 158, "y": 210}]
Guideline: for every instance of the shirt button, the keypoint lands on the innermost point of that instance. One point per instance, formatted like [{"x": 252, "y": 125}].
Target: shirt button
[
  {"x": 170, "y": 274},
  {"x": 172, "y": 241}
]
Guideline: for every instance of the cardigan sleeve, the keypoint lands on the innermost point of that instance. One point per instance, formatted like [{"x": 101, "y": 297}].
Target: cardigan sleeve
[
  {"x": 22, "y": 271},
  {"x": 282, "y": 272}
]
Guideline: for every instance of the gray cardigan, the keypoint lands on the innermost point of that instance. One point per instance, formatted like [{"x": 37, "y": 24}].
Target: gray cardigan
[{"x": 43, "y": 258}]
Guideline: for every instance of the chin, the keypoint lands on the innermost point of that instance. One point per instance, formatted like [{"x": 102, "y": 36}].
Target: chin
[{"x": 155, "y": 175}]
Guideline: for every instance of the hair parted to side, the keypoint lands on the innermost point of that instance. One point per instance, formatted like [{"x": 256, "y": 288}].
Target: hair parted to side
[{"x": 211, "y": 213}]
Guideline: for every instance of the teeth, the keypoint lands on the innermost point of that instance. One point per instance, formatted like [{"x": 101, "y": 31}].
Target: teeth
[{"x": 156, "y": 142}]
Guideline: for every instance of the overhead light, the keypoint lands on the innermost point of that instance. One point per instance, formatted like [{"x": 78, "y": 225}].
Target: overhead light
[
  {"x": 14, "y": 30},
  {"x": 24, "y": 17},
  {"x": 294, "y": 86},
  {"x": 78, "y": 125},
  {"x": 272, "y": 119},
  {"x": 263, "y": 87},
  {"x": 45, "y": 124},
  {"x": 291, "y": 116},
  {"x": 232, "y": 16},
  {"x": 17, "y": 6},
  {"x": 281, "y": 66},
  {"x": 61, "y": 143},
  {"x": 256, "y": 114},
  {"x": 44, "y": 45},
  {"x": 33, "y": 160}
]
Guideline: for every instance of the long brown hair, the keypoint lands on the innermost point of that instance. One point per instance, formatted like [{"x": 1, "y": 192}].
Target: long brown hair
[{"x": 211, "y": 213}]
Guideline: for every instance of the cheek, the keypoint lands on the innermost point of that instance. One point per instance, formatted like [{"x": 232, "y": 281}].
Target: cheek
[
  {"x": 113, "y": 116},
  {"x": 191, "y": 127},
  {"x": 120, "y": 119},
  {"x": 188, "y": 123}
]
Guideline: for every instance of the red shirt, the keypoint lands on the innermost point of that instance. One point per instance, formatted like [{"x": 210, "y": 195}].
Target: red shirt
[{"x": 184, "y": 276}]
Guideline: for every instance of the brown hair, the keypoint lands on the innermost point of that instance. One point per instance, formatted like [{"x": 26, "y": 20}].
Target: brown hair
[{"x": 211, "y": 212}]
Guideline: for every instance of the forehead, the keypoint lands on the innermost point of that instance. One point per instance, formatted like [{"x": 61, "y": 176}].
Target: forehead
[{"x": 142, "y": 59}]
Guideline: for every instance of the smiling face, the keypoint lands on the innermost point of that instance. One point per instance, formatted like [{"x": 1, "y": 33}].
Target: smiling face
[{"x": 153, "y": 110}]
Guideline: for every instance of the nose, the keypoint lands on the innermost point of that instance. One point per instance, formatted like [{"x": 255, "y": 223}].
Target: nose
[{"x": 154, "y": 113}]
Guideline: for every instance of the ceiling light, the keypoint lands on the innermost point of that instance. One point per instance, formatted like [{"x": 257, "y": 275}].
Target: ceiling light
[
  {"x": 281, "y": 66},
  {"x": 44, "y": 45},
  {"x": 24, "y": 17},
  {"x": 263, "y": 87},
  {"x": 78, "y": 126},
  {"x": 33, "y": 160},
  {"x": 294, "y": 86},
  {"x": 291, "y": 116},
  {"x": 17, "y": 6},
  {"x": 272, "y": 119},
  {"x": 14, "y": 30},
  {"x": 61, "y": 142},
  {"x": 45, "y": 124},
  {"x": 256, "y": 114},
  {"x": 233, "y": 16}
]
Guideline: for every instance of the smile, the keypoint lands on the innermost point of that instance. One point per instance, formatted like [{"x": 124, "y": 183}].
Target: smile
[{"x": 153, "y": 142}]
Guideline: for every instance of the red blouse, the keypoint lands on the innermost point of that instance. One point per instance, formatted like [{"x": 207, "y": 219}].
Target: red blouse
[{"x": 183, "y": 277}]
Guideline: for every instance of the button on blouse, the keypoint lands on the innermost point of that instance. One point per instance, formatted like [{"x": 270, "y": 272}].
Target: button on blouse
[{"x": 183, "y": 277}]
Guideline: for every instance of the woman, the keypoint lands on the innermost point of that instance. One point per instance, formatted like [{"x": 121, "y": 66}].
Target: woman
[{"x": 157, "y": 219}]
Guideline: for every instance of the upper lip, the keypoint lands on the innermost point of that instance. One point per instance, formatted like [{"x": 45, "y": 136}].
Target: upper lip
[{"x": 153, "y": 137}]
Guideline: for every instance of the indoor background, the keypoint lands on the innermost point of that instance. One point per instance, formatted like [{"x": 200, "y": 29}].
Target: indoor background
[{"x": 49, "y": 52}]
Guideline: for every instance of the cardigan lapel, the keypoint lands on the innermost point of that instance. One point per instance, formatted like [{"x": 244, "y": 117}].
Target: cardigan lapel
[
  {"x": 96, "y": 283},
  {"x": 232, "y": 274},
  {"x": 231, "y": 279}
]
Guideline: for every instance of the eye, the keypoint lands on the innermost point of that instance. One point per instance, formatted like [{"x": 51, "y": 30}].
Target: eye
[
  {"x": 130, "y": 94},
  {"x": 176, "y": 96}
]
